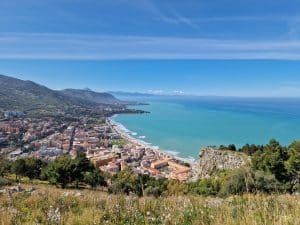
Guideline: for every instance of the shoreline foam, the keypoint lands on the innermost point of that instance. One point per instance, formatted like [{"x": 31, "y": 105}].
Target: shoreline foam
[{"x": 127, "y": 134}]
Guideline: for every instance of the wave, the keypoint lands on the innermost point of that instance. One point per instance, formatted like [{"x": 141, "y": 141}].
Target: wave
[
  {"x": 190, "y": 158},
  {"x": 123, "y": 128},
  {"x": 145, "y": 143},
  {"x": 138, "y": 140},
  {"x": 175, "y": 153}
]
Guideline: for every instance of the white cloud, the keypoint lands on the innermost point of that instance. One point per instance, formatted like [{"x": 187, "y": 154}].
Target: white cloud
[
  {"x": 178, "y": 92},
  {"x": 156, "y": 92},
  {"x": 95, "y": 47}
]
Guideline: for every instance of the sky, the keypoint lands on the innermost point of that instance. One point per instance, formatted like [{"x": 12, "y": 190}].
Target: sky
[{"x": 201, "y": 47}]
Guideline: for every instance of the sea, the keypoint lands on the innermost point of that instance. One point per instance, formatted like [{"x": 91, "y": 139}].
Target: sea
[{"x": 183, "y": 125}]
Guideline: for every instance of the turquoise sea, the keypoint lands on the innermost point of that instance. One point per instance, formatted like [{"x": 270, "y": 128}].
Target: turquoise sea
[{"x": 184, "y": 125}]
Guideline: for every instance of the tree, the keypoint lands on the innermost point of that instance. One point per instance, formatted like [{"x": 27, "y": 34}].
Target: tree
[
  {"x": 95, "y": 178},
  {"x": 124, "y": 182},
  {"x": 60, "y": 172},
  {"x": 120, "y": 186},
  {"x": 292, "y": 165},
  {"x": 4, "y": 166},
  {"x": 33, "y": 168},
  {"x": 153, "y": 191},
  {"x": 177, "y": 188},
  {"x": 80, "y": 165},
  {"x": 64, "y": 170},
  {"x": 251, "y": 149},
  {"x": 238, "y": 181},
  {"x": 272, "y": 160},
  {"x": 266, "y": 182},
  {"x": 231, "y": 147},
  {"x": 206, "y": 187},
  {"x": 127, "y": 182},
  {"x": 19, "y": 168},
  {"x": 140, "y": 184},
  {"x": 27, "y": 167}
]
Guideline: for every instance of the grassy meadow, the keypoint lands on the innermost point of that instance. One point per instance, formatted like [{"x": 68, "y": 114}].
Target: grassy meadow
[{"x": 49, "y": 205}]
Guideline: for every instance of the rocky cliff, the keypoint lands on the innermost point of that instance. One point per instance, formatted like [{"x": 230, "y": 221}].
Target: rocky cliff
[{"x": 212, "y": 160}]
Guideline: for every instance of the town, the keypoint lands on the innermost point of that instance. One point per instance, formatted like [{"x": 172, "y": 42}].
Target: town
[{"x": 105, "y": 144}]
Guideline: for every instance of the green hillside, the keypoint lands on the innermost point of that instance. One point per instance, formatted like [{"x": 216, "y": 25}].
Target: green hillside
[
  {"x": 32, "y": 98},
  {"x": 91, "y": 96}
]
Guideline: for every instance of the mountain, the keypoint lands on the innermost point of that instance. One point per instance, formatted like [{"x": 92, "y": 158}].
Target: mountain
[
  {"x": 30, "y": 97},
  {"x": 130, "y": 94},
  {"x": 91, "y": 96}
]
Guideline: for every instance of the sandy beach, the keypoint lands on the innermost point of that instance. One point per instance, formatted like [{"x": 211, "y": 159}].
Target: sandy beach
[{"x": 125, "y": 133}]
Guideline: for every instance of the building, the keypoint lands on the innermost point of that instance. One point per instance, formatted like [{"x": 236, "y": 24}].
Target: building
[
  {"x": 159, "y": 164},
  {"x": 11, "y": 114},
  {"x": 103, "y": 160},
  {"x": 111, "y": 168}
]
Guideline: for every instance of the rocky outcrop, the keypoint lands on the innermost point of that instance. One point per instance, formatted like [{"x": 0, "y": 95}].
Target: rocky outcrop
[{"x": 212, "y": 160}]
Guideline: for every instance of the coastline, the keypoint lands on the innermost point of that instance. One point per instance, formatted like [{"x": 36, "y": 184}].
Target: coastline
[{"x": 126, "y": 134}]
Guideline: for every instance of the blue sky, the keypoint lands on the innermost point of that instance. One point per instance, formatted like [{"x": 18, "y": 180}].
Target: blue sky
[{"x": 215, "y": 47}]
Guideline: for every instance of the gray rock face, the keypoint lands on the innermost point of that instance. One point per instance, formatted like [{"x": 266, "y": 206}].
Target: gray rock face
[{"x": 212, "y": 160}]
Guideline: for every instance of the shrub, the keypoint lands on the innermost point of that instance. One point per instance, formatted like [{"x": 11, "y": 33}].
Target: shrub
[
  {"x": 153, "y": 191},
  {"x": 95, "y": 178},
  {"x": 4, "y": 181},
  {"x": 60, "y": 171},
  {"x": 237, "y": 182},
  {"x": 292, "y": 165},
  {"x": 206, "y": 187},
  {"x": 177, "y": 188},
  {"x": 251, "y": 149},
  {"x": 65, "y": 170},
  {"x": 4, "y": 166},
  {"x": 266, "y": 182},
  {"x": 18, "y": 168},
  {"x": 119, "y": 187},
  {"x": 27, "y": 167},
  {"x": 271, "y": 160}
]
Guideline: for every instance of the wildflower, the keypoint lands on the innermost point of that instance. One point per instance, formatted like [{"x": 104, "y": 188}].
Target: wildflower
[{"x": 54, "y": 215}]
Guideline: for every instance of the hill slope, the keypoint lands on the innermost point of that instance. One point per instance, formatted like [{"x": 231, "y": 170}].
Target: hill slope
[
  {"x": 91, "y": 96},
  {"x": 27, "y": 96}
]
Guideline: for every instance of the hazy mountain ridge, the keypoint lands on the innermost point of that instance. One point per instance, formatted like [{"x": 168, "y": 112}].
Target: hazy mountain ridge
[
  {"x": 91, "y": 96},
  {"x": 130, "y": 94}
]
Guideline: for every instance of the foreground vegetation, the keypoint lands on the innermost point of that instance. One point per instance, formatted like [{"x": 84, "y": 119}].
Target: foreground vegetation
[
  {"x": 52, "y": 206},
  {"x": 263, "y": 192},
  {"x": 273, "y": 168}
]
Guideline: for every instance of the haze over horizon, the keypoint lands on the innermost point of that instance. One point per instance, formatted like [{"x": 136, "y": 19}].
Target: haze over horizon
[{"x": 222, "y": 48}]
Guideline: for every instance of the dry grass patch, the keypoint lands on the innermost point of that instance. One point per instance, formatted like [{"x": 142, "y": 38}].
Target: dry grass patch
[{"x": 49, "y": 205}]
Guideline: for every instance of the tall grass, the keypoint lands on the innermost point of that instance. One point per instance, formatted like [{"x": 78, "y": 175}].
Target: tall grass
[{"x": 54, "y": 206}]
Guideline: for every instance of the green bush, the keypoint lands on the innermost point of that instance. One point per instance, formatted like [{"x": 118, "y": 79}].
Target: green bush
[
  {"x": 119, "y": 187},
  {"x": 95, "y": 178},
  {"x": 153, "y": 191},
  {"x": 292, "y": 166},
  {"x": 266, "y": 183},
  {"x": 4, "y": 182},
  {"x": 206, "y": 187},
  {"x": 272, "y": 160},
  {"x": 237, "y": 182},
  {"x": 4, "y": 166}
]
